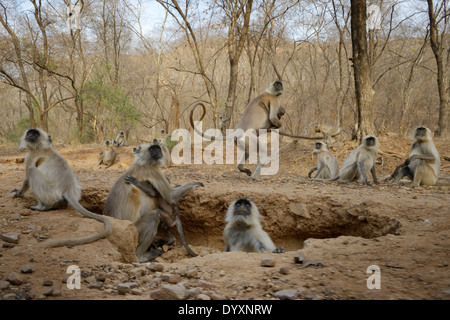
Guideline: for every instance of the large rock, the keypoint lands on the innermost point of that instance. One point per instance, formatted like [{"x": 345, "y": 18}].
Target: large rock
[
  {"x": 124, "y": 237},
  {"x": 169, "y": 292},
  {"x": 286, "y": 294},
  {"x": 14, "y": 279},
  {"x": 299, "y": 209},
  {"x": 11, "y": 237},
  {"x": 120, "y": 245}
]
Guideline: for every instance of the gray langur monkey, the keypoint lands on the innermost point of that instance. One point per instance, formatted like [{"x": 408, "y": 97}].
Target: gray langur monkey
[
  {"x": 108, "y": 155},
  {"x": 423, "y": 163},
  {"x": 164, "y": 136},
  {"x": 359, "y": 161},
  {"x": 327, "y": 165},
  {"x": 221, "y": 121},
  {"x": 243, "y": 231},
  {"x": 120, "y": 140},
  {"x": 53, "y": 183},
  {"x": 260, "y": 113},
  {"x": 330, "y": 131},
  {"x": 263, "y": 112},
  {"x": 144, "y": 196}
]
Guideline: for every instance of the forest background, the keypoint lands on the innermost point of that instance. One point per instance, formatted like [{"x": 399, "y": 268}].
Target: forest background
[{"x": 137, "y": 66}]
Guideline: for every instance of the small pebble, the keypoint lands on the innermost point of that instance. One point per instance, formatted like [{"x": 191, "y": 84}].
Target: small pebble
[{"x": 267, "y": 261}]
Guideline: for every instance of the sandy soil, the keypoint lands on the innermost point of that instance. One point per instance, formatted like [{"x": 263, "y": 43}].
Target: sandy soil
[{"x": 340, "y": 229}]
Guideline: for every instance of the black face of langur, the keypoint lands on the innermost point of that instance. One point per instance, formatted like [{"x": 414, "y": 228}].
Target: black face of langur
[
  {"x": 32, "y": 136},
  {"x": 421, "y": 133},
  {"x": 242, "y": 209},
  {"x": 278, "y": 87},
  {"x": 316, "y": 129},
  {"x": 155, "y": 152},
  {"x": 152, "y": 155},
  {"x": 318, "y": 146},
  {"x": 33, "y": 139},
  {"x": 370, "y": 142}
]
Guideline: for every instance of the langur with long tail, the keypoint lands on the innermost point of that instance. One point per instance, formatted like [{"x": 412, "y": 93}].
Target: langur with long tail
[
  {"x": 144, "y": 196},
  {"x": 263, "y": 112},
  {"x": 53, "y": 183},
  {"x": 327, "y": 165},
  {"x": 360, "y": 161},
  {"x": 423, "y": 163}
]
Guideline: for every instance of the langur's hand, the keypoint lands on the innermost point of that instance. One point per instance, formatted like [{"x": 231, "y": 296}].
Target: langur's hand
[{"x": 131, "y": 179}]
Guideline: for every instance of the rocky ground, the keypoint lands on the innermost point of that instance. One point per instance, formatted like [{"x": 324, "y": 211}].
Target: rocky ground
[{"x": 332, "y": 233}]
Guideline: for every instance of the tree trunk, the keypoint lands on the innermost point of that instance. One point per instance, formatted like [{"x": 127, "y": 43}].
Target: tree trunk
[
  {"x": 437, "y": 47},
  {"x": 362, "y": 69},
  {"x": 231, "y": 96},
  {"x": 443, "y": 122},
  {"x": 234, "y": 54}
]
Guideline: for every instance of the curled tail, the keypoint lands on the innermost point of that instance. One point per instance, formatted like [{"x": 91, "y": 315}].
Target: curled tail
[
  {"x": 346, "y": 132},
  {"x": 349, "y": 136},
  {"x": 70, "y": 242},
  {"x": 191, "y": 120}
]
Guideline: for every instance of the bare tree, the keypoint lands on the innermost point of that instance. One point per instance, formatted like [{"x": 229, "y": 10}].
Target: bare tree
[
  {"x": 112, "y": 32},
  {"x": 341, "y": 23},
  {"x": 21, "y": 82},
  {"x": 237, "y": 18},
  {"x": 182, "y": 18},
  {"x": 36, "y": 56},
  {"x": 362, "y": 69},
  {"x": 439, "y": 18}
]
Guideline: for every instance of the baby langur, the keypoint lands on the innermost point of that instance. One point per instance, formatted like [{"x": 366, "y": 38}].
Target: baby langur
[
  {"x": 329, "y": 131},
  {"x": 243, "y": 231},
  {"x": 361, "y": 160},
  {"x": 327, "y": 165},
  {"x": 221, "y": 122},
  {"x": 108, "y": 155},
  {"x": 53, "y": 183},
  {"x": 164, "y": 136},
  {"x": 423, "y": 164},
  {"x": 120, "y": 140},
  {"x": 144, "y": 196}
]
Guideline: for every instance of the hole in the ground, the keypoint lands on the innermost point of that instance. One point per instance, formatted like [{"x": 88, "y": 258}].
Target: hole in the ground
[
  {"x": 93, "y": 201},
  {"x": 289, "y": 223}
]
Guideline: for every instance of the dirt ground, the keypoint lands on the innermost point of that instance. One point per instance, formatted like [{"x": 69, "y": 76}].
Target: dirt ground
[{"x": 339, "y": 229}]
